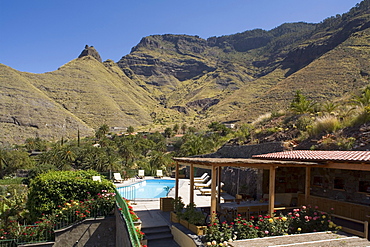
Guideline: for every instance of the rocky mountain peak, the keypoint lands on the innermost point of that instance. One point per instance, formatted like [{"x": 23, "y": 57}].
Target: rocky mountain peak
[{"x": 90, "y": 51}]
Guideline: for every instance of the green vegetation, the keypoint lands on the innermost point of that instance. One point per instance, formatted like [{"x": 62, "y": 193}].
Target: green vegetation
[
  {"x": 299, "y": 220},
  {"x": 48, "y": 190}
]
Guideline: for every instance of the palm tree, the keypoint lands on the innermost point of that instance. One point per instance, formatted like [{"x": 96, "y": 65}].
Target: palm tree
[
  {"x": 127, "y": 151},
  {"x": 301, "y": 104},
  {"x": 159, "y": 161},
  {"x": 364, "y": 99},
  {"x": 194, "y": 145}
]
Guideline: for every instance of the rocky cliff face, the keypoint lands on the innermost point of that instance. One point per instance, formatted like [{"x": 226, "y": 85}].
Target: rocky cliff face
[{"x": 90, "y": 51}]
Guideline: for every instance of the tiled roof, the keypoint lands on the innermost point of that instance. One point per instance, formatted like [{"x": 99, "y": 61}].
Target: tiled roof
[{"x": 308, "y": 155}]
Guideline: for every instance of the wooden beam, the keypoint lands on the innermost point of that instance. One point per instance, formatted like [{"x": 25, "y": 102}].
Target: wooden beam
[
  {"x": 191, "y": 183},
  {"x": 177, "y": 180},
  {"x": 213, "y": 194},
  {"x": 272, "y": 190},
  {"x": 307, "y": 184},
  {"x": 348, "y": 166}
]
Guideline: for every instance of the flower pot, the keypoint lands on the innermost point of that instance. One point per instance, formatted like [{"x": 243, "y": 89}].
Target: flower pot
[
  {"x": 173, "y": 217},
  {"x": 184, "y": 223},
  {"x": 166, "y": 204},
  {"x": 144, "y": 242},
  {"x": 198, "y": 230},
  {"x": 137, "y": 224}
]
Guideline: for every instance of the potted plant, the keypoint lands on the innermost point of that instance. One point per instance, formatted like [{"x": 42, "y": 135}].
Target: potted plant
[
  {"x": 196, "y": 220},
  {"x": 178, "y": 207}
]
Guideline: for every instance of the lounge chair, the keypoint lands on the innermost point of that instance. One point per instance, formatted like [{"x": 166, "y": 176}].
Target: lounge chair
[
  {"x": 201, "y": 178},
  {"x": 205, "y": 179},
  {"x": 141, "y": 174},
  {"x": 117, "y": 177},
  {"x": 207, "y": 191},
  {"x": 159, "y": 174},
  {"x": 96, "y": 178},
  {"x": 203, "y": 185}
]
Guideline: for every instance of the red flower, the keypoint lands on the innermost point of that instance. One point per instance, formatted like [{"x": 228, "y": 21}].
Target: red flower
[{"x": 256, "y": 227}]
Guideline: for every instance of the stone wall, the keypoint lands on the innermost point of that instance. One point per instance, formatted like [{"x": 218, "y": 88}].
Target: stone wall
[
  {"x": 122, "y": 237},
  {"x": 90, "y": 232},
  {"x": 242, "y": 180},
  {"x": 246, "y": 151},
  {"x": 350, "y": 191}
]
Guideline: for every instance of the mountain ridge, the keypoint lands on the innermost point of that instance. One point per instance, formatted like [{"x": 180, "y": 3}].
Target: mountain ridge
[{"x": 168, "y": 79}]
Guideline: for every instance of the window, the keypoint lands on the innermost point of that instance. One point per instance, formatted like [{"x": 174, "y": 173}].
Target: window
[
  {"x": 364, "y": 186},
  {"x": 318, "y": 181},
  {"x": 339, "y": 183}
]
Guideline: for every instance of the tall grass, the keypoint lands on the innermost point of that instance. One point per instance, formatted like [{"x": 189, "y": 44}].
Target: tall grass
[{"x": 324, "y": 125}]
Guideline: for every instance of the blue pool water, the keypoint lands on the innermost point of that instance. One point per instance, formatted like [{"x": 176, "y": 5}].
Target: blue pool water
[{"x": 147, "y": 189}]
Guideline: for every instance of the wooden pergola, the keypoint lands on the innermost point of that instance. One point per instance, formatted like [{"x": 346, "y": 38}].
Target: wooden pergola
[
  {"x": 346, "y": 160},
  {"x": 216, "y": 164}
]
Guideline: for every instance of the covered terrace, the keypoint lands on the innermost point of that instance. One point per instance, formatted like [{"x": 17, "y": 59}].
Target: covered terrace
[
  {"x": 342, "y": 160},
  {"x": 216, "y": 164}
]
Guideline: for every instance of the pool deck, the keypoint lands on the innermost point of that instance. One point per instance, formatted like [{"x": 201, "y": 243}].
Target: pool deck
[{"x": 149, "y": 209}]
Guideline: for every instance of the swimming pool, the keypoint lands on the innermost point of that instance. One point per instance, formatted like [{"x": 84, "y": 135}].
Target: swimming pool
[{"x": 147, "y": 189}]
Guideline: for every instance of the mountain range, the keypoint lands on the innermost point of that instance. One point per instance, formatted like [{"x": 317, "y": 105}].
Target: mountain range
[{"x": 168, "y": 79}]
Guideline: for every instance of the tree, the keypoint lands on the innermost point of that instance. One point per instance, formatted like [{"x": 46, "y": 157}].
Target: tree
[
  {"x": 183, "y": 128},
  {"x": 219, "y": 127},
  {"x": 300, "y": 104},
  {"x": 168, "y": 132},
  {"x": 176, "y": 128},
  {"x": 364, "y": 99},
  {"x": 130, "y": 130},
  {"x": 159, "y": 161},
  {"x": 194, "y": 145},
  {"x": 127, "y": 151},
  {"x": 102, "y": 131}
]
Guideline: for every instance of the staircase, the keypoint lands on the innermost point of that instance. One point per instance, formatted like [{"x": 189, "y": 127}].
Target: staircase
[{"x": 159, "y": 236}]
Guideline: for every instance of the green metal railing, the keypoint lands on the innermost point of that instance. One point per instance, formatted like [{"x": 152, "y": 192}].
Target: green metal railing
[
  {"x": 8, "y": 243},
  {"x": 126, "y": 216}
]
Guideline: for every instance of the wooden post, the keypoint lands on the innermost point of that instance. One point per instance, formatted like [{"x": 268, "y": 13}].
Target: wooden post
[
  {"x": 272, "y": 190},
  {"x": 213, "y": 194},
  {"x": 191, "y": 183},
  {"x": 307, "y": 185},
  {"x": 177, "y": 181},
  {"x": 219, "y": 170}
]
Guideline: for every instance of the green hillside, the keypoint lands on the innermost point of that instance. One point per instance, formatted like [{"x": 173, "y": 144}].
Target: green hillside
[{"x": 168, "y": 79}]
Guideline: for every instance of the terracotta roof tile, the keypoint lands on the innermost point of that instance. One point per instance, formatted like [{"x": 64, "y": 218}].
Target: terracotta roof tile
[{"x": 308, "y": 155}]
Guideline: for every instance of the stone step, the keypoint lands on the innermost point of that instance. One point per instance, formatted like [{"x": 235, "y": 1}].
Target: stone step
[
  {"x": 154, "y": 236},
  {"x": 157, "y": 229},
  {"x": 163, "y": 243},
  {"x": 157, "y": 233}
]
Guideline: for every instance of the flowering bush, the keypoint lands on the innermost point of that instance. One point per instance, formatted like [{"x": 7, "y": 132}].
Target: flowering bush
[
  {"x": 308, "y": 219},
  {"x": 64, "y": 215},
  {"x": 300, "y": 220},
  {"x": 140, "y": 234}
]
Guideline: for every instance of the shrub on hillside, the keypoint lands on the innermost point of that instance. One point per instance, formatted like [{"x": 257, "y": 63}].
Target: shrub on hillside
[
  {"x": 48, "y": 190},
  {"x": 325, "y": 124}
]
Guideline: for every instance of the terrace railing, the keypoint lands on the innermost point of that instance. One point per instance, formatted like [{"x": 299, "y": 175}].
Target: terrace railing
[
  {"x": 128, "y": 192},
  {"x": 127, "y": 217}
]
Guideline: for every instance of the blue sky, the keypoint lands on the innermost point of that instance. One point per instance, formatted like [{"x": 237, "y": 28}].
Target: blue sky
[{"x": 41, "y": 35}]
